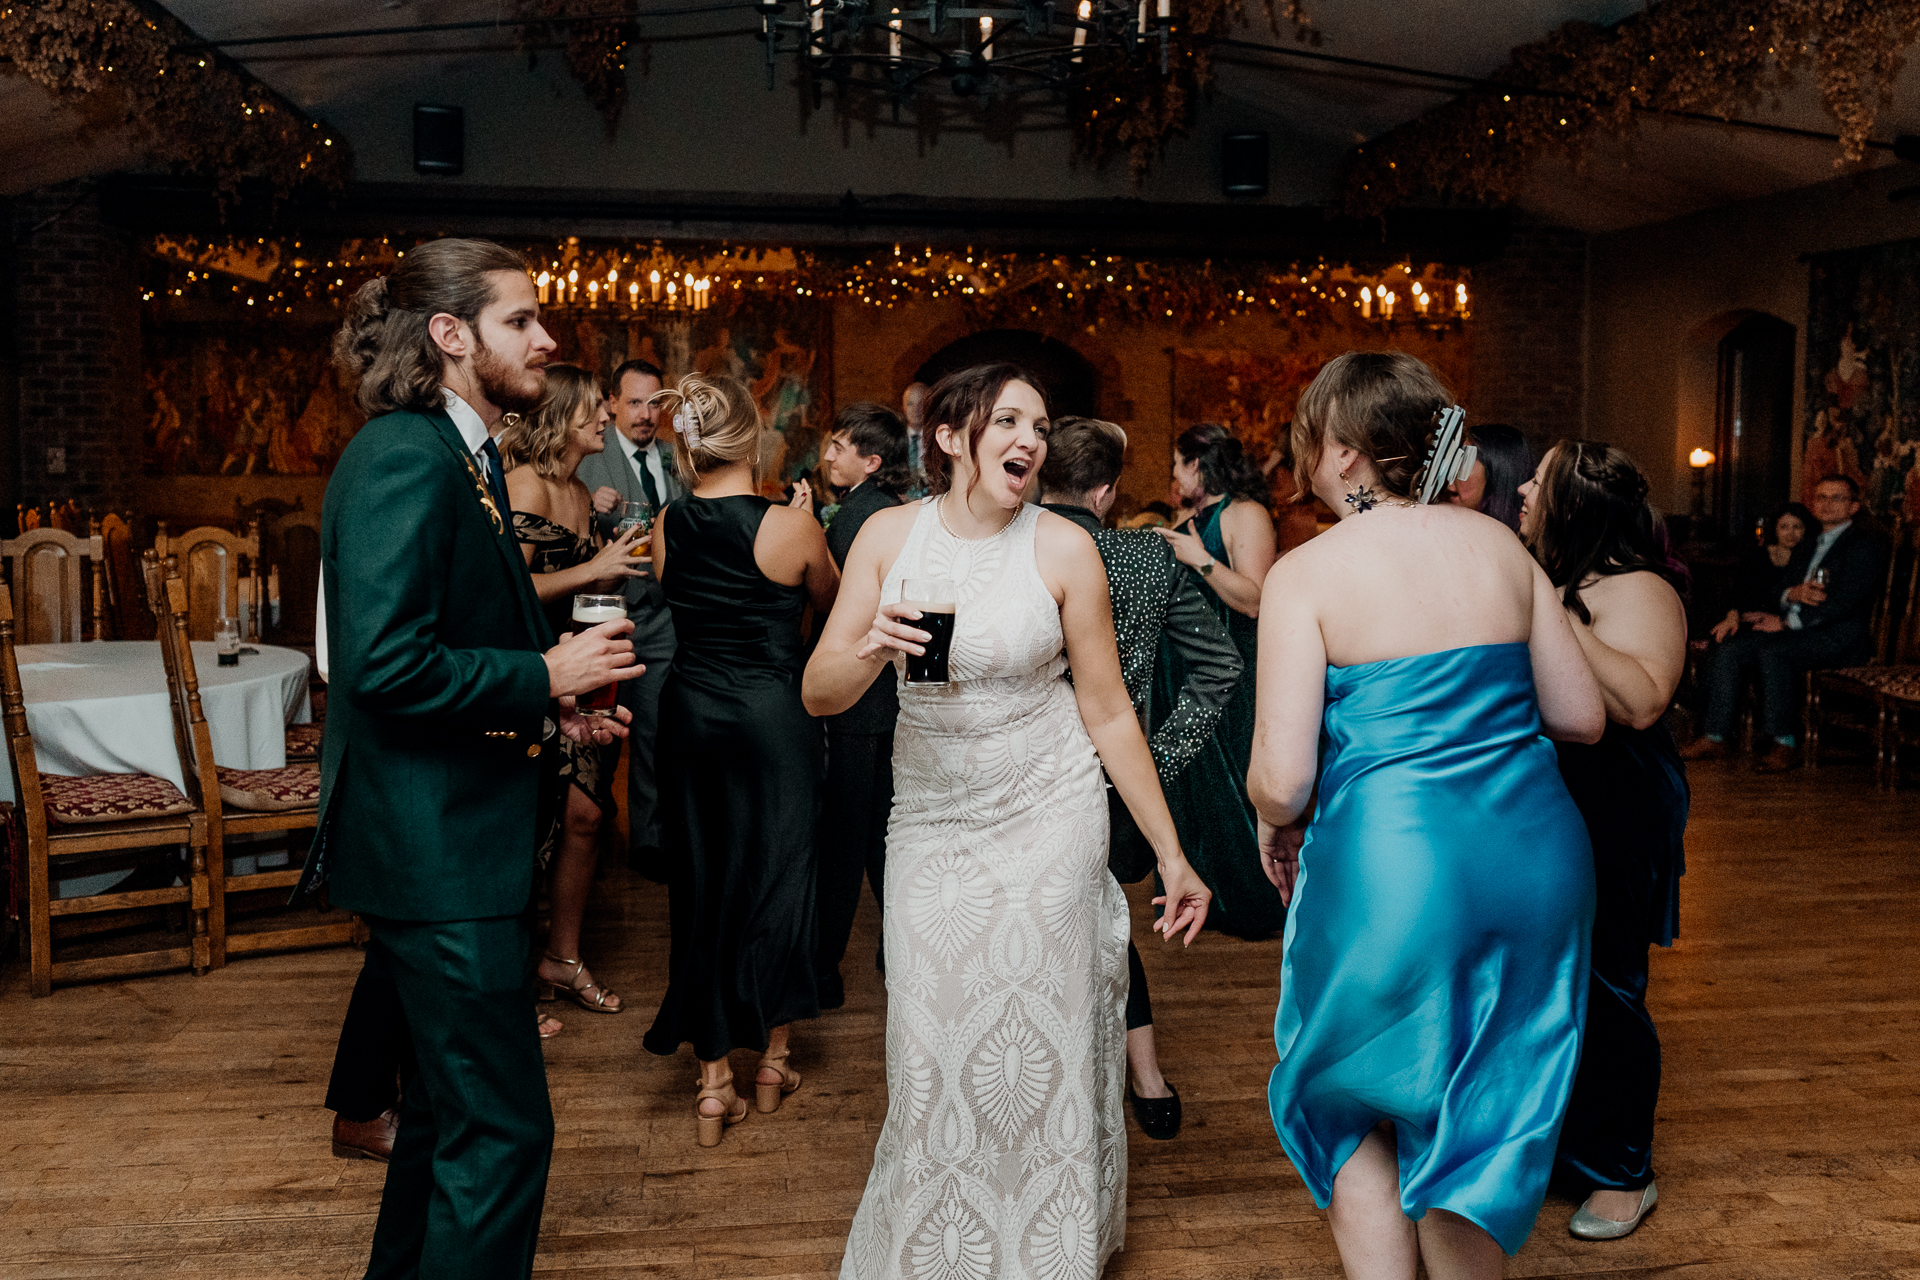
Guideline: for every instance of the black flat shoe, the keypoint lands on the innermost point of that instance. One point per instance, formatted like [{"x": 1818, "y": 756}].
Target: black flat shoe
[{"x": 1159, "y": 1117}]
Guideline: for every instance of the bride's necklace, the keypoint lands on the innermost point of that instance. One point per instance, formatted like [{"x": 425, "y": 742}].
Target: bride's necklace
[{"x": 940, "y": 510}]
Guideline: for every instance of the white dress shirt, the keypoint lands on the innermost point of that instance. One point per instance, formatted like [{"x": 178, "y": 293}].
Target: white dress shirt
[
  {"x": 647, "y": 459},
  {"x": 1827, "y": 538}
]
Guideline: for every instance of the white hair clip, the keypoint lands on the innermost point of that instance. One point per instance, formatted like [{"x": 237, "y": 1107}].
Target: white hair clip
[
  {"x": 688, "y": 425},
  {"x": 1450, "y": 458}
]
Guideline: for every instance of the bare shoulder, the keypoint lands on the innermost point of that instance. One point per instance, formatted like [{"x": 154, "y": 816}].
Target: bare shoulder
[
  {"x": 792, "y": 522},
  {"x": 1245, "y": 513},
  {"x": 529, "y": 492},
  {"x": 1636, "y": 592},
  {"x": 1056, "y": 535}
]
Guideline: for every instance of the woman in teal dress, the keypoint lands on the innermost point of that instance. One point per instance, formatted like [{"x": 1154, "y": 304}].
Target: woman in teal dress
[
  {"x": 1227, "y": 546},
  {"x": 1435, "y": 973}
]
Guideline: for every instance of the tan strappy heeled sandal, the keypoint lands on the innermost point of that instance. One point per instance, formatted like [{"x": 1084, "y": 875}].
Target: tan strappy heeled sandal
[
  {"x": 767, "y": 1096},
  {"x": 572, "y": 990},
  {"x": 711, "y": 1127}
]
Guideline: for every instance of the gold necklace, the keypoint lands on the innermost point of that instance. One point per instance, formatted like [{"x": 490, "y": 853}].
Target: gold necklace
[{"x": 940, "y": 510}]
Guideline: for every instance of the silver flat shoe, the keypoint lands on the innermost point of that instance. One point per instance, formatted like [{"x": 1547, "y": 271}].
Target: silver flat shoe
[{"x": 1591, "y": 1226}]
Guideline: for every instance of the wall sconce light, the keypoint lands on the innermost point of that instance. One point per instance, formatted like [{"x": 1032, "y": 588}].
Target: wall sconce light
[{"x": 1699, "y": 460}]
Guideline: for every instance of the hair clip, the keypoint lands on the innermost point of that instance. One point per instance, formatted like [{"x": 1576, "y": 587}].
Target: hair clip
[
  {"x": 1449, "y": 457},
  {"x": 687, "y": 423}
]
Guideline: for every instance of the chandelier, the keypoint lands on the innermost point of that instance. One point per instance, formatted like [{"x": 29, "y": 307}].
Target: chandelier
[{"x": 981, "y": 51}]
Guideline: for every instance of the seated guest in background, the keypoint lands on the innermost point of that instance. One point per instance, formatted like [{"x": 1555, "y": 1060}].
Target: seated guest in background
[
  {"x": 553, "y": 521},
  {"x": 1587, "y": 522},
  {"x": 443, "y": 669},
  {"x": 637, "y": 466},
  {"x": 1503, "y": 463},
  {"x": 740, "y": 758},
  {"x": 1155, "y": 604},
  {"x": 867, "y": 465},
  {"x": 1824, "y": 616},
  {"x": 1227, "y": 544},
  {"x": 1763, "y": 575}
]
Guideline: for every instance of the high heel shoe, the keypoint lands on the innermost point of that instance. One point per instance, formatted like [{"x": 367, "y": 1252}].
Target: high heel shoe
[
  {"x": 767, "y": 1096},
  {"x": 711, "y": 1127},
  {"x": 572, "y": 989}
]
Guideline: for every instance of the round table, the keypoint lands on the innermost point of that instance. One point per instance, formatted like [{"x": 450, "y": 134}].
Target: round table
[{"x": 101, "y": 707}]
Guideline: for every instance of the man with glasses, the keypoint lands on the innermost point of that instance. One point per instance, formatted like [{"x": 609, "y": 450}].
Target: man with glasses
[{"x": 1823, "y": 622}]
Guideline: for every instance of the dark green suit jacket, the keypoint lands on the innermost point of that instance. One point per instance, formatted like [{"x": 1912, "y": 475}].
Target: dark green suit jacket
[{"x": 430, "y": 768}]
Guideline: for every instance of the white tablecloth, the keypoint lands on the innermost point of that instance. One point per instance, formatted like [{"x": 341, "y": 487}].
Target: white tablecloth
[{"x": 101, "y": 707}]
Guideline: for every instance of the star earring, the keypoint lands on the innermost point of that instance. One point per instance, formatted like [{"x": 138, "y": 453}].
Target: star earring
[{"x": 1359, "y": 497}]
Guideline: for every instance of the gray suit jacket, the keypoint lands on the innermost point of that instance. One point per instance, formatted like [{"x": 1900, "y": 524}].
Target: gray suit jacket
[{"x": 646, "y": 603}]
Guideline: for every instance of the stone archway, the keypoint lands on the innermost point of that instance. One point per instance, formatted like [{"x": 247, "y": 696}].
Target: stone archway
[{"x": 1072, "y": 382}]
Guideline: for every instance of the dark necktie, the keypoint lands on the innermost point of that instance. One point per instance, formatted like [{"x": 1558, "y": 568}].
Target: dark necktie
[
  {"x": 497, "y": 478},
  {"x": 646, "y": 479}
]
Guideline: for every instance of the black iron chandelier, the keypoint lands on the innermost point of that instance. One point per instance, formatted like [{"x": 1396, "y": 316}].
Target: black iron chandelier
[{"x": 983, "y": 51}]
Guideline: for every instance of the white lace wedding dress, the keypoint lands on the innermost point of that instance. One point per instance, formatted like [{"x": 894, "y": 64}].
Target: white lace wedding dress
[{"x": 1004, "y": 1151}]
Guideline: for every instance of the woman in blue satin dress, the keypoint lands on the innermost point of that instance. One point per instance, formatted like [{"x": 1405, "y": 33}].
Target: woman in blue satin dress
[{"x": 1414, "y": 661}]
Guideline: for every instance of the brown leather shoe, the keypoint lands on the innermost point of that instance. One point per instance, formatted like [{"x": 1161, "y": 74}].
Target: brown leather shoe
[
  {"x": 365, "y": 1139},
  {"x": 1779, "y": 759},
  {"x": 1705, "y": 748}
]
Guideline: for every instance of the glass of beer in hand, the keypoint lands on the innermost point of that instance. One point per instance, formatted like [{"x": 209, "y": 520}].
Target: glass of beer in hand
[
  {"x": 935, "y": 600},
  {"x": 636, "y": 515},
  {"x": 591, "y": 611}
]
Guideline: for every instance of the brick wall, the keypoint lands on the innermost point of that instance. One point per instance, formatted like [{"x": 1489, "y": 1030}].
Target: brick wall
[
  {"x": 1530, "y": 333},
  {"x": 75, "y": 353}
]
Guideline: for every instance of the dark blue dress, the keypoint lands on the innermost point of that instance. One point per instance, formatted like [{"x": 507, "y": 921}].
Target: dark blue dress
[
  {"x": 1436, "y": 952},
  {"x": 739, "y": 764}
]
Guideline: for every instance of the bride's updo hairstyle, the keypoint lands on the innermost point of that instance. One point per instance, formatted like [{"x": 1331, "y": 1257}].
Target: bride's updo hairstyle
[
  {"x": 1381, "y": 403},
  {"x": 1590, "y": 519},
  {"x": 383, "y": 345},
  {"x": 963, "y": 401},
  {"x": 539, "y": 439},
  {"x": 712, "y": 421}
]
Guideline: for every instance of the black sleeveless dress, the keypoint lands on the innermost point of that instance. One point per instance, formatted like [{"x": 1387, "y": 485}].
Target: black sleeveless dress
[{"x": 739, "y": 766}]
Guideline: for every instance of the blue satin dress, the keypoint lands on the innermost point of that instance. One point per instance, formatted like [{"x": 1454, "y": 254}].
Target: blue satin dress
[{"x": 1435, "y": 972}]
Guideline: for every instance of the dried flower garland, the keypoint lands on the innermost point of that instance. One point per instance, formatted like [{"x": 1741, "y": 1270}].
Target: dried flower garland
[
  {"x": 596, "y": 50},
  {"x": 1555, "y": 96},
  {"x": 192, "y": 108}
]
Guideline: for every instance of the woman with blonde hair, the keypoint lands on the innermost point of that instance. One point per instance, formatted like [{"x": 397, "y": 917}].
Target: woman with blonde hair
[
  {"x": 740, "y": 761},
  {"x": 553, "y": 521},
  {"x": 1414, "y": 661}
]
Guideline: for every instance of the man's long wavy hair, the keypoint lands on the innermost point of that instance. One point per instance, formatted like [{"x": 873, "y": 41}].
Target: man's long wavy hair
[{"x": 384, "y": 346}]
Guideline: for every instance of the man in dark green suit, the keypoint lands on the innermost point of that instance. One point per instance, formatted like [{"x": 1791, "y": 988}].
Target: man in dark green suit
[{"x": 443, "y": 672}]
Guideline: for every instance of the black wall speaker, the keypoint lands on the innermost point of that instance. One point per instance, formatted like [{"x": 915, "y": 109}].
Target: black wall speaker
[
  {"x": 440, "y": 139},
  {"x": 1243, "y": 164}
]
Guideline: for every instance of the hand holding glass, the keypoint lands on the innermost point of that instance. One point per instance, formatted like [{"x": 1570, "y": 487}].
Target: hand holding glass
[
  {"x": 591, "y": 611},
  {"x": 636, "y": 515},
  {"x": 934, "y": 599}
]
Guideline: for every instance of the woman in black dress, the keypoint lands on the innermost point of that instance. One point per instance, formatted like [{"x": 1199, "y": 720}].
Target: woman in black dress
[
  {"x": 740, "y": 761},
  {"x": 553, "y": 520},
  {"x": 1227, "y": 545},
  {"x": 1763, "y": 574},
  {"x": 1587, "y": 521}
]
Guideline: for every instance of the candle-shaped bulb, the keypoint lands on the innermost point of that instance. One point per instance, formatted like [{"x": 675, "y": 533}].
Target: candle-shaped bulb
[
  {"x": 1166, "y": 9},
  {"x": 893, "y": 37},
  {"x": 1366, "y": 303},
  {"x": 1080, "y": 33},
  {"x": 986, "y": 37}
]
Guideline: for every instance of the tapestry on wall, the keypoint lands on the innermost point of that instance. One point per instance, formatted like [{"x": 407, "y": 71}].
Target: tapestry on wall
[
  {"x": 1863, "y": 375},
  {"x": 1253, "y": 393},
  {"x": 239, "y": 398}
]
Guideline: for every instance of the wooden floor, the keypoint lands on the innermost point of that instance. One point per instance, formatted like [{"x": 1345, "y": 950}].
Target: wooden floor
[{"x": 173, "y": 1126}]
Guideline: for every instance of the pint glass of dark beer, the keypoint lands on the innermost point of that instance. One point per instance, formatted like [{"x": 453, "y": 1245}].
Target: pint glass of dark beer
[
  {"x": 591, "y": 611},
  {"x": 934, "y": 599}
]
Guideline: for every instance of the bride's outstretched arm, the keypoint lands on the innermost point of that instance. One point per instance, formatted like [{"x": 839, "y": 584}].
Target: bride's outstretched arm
[
  {"x": 862, "y": 635},
  {"x": 1072, "y": 565}
]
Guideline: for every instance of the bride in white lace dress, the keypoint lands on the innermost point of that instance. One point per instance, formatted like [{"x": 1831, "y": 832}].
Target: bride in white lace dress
[{"x": 1004, "y": 1150}]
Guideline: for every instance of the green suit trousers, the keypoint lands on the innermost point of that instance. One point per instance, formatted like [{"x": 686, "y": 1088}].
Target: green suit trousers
[{"x": 468, "y": 1176}]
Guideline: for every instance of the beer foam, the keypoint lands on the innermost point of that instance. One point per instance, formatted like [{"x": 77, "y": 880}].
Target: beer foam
[
  {"x": 594, "y": 615},
  {"x": 926, "y": 606}
]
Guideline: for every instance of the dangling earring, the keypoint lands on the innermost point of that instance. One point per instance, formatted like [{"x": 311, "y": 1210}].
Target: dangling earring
[{"x": 1359, "y": 497}]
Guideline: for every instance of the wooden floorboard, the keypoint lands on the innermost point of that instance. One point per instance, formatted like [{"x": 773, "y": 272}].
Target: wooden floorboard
[{"x": 172, "y": 1126}]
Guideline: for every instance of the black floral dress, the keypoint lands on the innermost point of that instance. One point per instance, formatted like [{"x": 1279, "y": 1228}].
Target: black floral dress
[{"x": 587, "y": 767}]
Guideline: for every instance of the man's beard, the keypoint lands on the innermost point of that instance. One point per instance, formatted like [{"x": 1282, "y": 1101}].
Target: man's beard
[{"x": 505, "y": 387}]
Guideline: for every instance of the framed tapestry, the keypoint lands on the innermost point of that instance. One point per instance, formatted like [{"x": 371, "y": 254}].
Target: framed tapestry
[{"x": 1863, "y": 375}]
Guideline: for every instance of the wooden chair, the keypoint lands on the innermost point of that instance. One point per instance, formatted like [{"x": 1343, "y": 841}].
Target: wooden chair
[
  {"x": 48, "y": 597},
  {"x": 210, "y": 564},
  {"x": 127, "y": 618},
  {"x": 237, "y": 801},
  {"x": 112, "y": 817},
  {"x": 296, "y": 554},
  {"x": 1857, "y": 699}
]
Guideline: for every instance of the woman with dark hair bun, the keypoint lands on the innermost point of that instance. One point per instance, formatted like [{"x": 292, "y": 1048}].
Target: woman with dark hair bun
[
  {"x": 1228, "y": 545},
  {"x": 1763, "y": 575},
  {"x": 1587, "y": 520},
  {"x": 1503, "y": 463}
]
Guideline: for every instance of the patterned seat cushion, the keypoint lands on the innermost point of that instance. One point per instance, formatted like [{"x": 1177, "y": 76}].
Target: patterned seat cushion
[
  {"x": 295, "y": 786},
  {"x": 110, "y": 797},
  {"x": 1897, "y": 682},
  {"x": 303, "y": 741}
]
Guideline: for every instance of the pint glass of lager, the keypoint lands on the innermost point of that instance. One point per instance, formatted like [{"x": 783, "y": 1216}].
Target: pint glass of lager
[
  {"x": 636, "y": 515},
  {"x": 591, "y": 611},
  {"x": 934, "y": 599}
]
